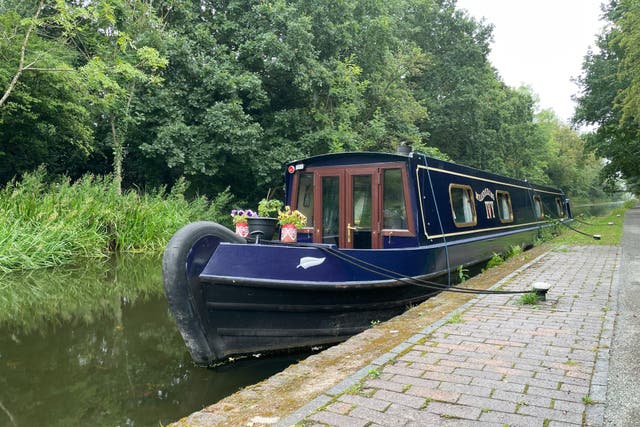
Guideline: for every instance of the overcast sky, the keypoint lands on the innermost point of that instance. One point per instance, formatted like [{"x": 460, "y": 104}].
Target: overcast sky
[{"x": 541, "y": 44}]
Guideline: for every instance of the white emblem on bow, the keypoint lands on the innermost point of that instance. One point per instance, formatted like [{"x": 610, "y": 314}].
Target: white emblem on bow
[{"x": 309, "y": 261}]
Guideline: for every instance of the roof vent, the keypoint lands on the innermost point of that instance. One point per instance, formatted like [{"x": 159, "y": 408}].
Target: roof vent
[{"x": 404, "y": 149}]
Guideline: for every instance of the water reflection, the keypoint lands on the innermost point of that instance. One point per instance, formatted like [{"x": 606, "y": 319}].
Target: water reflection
[
  {"x": 82, "y": 293},
  {"x": 116, "y": 361},
  {"x": 595, "y": 209}
]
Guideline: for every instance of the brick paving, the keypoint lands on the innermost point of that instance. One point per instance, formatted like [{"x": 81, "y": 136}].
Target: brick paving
[{"x": 495, "y": 362}]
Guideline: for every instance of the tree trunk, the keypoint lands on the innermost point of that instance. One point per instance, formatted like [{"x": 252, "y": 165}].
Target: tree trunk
[
  {"x": 118, "y": 155},
  {"x": 23, "y": 48}
]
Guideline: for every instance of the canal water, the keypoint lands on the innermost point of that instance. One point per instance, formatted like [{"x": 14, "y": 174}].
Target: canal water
[
  {"x": 108, "y": 354},
  {"x": 595, "y": 209}
]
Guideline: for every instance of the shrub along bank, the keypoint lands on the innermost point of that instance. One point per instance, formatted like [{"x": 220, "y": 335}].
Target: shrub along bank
[{"x": 50, "y": 224}]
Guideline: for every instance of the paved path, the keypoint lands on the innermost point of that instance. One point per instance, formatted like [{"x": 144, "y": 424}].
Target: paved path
[
  {"x": 623, "y": 397},
  {"x": 494, "y": 361}
]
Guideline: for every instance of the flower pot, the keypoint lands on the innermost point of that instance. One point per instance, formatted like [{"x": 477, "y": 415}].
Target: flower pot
[
  {"x": 242, "y": 229},
  {"x": 288, "y": 233},
  {"x": 261, "y": 227}
]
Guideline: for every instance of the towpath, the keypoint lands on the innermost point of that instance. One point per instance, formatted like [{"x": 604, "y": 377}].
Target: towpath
[{"x": 491, "y": 361}]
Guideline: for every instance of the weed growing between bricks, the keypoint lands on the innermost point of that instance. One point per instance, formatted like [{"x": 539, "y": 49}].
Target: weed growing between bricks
[{"x": 529, "y": 299}]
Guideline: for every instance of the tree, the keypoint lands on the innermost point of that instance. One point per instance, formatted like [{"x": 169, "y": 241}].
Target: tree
[
  {"x": 22, "y": 65},
  {"x": 44, "y": 114},
  {"x": 93, "y": 59},
  {"x": 458, "y": 86},
  {"x": 570, "y": 165},
  {"x": 118, "y": 40},
  {"x": 607, "y": 99},
  {"x": 628, "y": 40}
]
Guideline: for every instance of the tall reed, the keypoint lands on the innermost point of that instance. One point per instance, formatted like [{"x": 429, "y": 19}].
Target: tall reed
[{"x": 43, "y": 225}]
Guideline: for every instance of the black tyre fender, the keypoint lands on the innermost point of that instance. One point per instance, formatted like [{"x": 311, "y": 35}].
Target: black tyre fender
[{"x": 185, "y": 257}]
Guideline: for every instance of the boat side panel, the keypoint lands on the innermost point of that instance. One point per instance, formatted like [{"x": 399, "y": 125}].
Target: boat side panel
[
  {"x": 314, "y": 265},
  {"x": 438, "y": 222}
]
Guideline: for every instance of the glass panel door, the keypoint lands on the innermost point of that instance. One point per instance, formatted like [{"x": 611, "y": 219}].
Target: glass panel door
[
  {"x": 330, "y": 232},
  {"x": 346, "y": 208},
  {"x": 360, "y": 218}
]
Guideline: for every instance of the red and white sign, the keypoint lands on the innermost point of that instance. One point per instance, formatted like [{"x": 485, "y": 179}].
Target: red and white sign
[{"x": 488, "y": 207}]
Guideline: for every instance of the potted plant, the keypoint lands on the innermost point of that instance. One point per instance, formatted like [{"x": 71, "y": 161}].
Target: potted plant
[
  {"x": 264, "y": 225},
  {"x": 269, "y": 208},
  {"x": 290, "y": 220},
  {"x": 240, "y": 218}
]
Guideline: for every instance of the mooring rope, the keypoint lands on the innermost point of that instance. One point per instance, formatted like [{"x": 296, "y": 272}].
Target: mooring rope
[
  {"x": 390, "y": 274},
  {"x": 593, "y": 236},
  {"x": 582, "y": 222}
]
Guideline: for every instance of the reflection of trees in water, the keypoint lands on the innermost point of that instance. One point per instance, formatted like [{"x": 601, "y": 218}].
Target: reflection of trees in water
[
  {"x": 595, "y": 209},
  {"x": 82, "y": 293},
  {"x": 98, "y": 374},
  {"x": 118, "y": 360}
]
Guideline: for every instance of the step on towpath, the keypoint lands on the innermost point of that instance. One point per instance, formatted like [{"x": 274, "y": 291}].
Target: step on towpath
[{"x": 495, "y": 361}]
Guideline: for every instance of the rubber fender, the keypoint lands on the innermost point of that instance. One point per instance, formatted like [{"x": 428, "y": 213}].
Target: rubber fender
[{"x": 186, "y": 255}]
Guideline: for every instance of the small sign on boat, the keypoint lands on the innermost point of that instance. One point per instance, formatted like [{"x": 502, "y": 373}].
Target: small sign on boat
[{"x": 488, "y": 206}]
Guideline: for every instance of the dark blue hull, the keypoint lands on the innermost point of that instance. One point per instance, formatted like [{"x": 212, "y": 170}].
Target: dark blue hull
[
  {"x": 262, "y": 317},
  {"x": 257, "y": 298}
]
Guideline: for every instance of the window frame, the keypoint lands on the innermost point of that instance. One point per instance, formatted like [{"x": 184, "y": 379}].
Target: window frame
[
  {"x": 403, "y": 232},
  {"x": 469, "y": 190},
  {"x": 511, "y": 214},
  {"x": 296, "y": 193},
  {"x": 560, "y": 208},
  {"x": 538, "y": 198}
]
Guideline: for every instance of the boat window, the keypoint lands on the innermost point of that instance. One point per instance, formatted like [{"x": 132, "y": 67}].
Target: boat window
[
  {"x": 505, "y": 211},
  {"x": 462, "y": 206},
  {"x": 537, "y": 207},
  {"x": 393, "y": 204},
  {"x": 362, "y": 201},
  {"x": 560, "y": 207},
  {"x": 305, "y": 196},
  {"x": 331, "y": 209}
]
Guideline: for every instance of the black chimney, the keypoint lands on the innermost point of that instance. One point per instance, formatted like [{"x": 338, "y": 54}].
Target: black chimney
[{"x": 404, "y": 149}]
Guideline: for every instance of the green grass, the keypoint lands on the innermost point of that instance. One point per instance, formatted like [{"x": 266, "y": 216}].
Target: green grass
[
  {"x": 462, "y": 273},
  {"x": 52, "y": 224},
  {"x": 588, "y": 400},
  {"x": 456, "y": 318},
  {"x": 513, "y": 251},
  {"x": 610, "y": 234},
  {"x": 498, "y": 259},
  {"x": 374, "y": 373}
]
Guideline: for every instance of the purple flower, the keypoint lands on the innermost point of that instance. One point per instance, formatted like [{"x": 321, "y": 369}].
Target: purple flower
[{"x": 233, "y": 212}]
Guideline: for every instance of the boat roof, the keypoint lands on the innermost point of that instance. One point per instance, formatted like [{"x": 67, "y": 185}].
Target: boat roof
[
  {"x": 351, "y": 157},
  {"x": 361, "y": 158}
]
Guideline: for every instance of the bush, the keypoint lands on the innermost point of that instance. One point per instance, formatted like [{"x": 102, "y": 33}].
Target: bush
[
  {"x": 53, "y": 224},
  {"x": 496, "y": 259}
]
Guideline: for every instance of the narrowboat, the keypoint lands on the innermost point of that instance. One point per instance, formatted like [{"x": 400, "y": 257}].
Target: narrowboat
[{"x": 380, "y": 229}]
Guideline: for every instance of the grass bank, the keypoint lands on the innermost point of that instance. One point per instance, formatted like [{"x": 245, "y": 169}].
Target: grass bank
[
  {"x": 45, "y": 225},
  {"x": 608, "y": 227}
]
